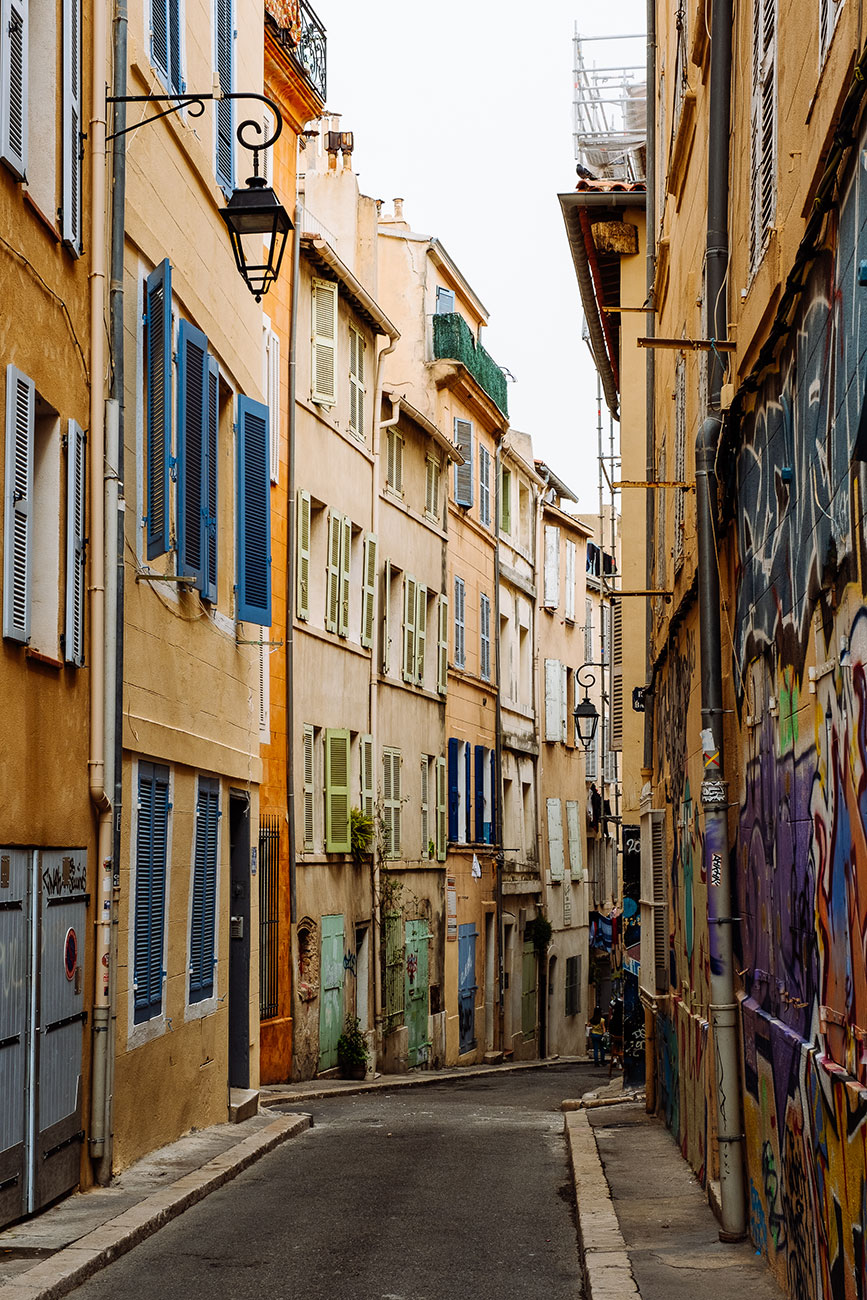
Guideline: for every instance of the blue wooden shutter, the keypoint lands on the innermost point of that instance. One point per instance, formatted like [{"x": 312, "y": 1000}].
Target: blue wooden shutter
[
  {"x": 18, "y": 505},
  {"x": 71, "y": 200},
  {"x": 150, "y": 890},
  {"x": 254, "y": 514},
  {"x": 225, "y": 108},
  {"x": 204, "y": 910},
  {"x": 160, "y": 38},
  {"x": 158, "y": 314},
  {"x": 454, "y": 795},
  {"x": 14, "y": 86},
  {"x": 480, "y": 794},
  {"x": 494, "y": 839},
  {"x": 192, "y": 442},
  {"x": 210, "y": 483},
  {"x": 76, "y": 542},
  {"x": 176, "y": 81},
  {"x": 468, "y": 785}
]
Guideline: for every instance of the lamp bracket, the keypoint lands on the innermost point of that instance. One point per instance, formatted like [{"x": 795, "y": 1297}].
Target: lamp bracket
[{"x": 196, "y": 105}]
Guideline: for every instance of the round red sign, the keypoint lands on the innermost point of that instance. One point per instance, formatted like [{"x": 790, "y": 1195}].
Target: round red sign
[{"x": 70, "y": 953}]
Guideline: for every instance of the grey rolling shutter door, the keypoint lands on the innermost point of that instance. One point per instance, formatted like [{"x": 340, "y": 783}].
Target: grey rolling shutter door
[
  {"x": 18, "y": 511},
  {"x": 71, "y": 201},
  {"x": 75, "y": 544},
  {"x": 14, "y": 84}
]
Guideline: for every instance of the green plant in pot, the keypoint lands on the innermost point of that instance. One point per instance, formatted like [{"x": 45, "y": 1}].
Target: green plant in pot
[
  {"x": 361, "y": 829},
  {"x": 352, "y": 1050}
]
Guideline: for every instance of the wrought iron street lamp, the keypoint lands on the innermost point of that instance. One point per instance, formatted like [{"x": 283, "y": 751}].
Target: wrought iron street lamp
[
  {"x": 585, "y": 712},
  {"x": 255, "y": 218}
]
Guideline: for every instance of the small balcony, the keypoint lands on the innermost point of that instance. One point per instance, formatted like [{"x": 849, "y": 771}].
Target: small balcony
[
  {"x": 453, "y": 341},
  {"x": 301, "y": 32}
]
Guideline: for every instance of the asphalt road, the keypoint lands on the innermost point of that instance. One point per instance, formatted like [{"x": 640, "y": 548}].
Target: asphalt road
[{"x": 458, "y": 1191}]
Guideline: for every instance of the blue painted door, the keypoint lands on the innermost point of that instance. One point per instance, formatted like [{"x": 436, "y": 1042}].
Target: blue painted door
[
  {"x": 331, "y": 991},
  {"x": 416, "y": 991},
  {"x": 467, "y": 985}
]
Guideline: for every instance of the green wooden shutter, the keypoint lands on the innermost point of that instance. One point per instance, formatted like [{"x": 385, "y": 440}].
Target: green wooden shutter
[
  {"x": 345, "y": 573},
  {"x": 425, "y": 806},
  {"x": 337, "y": 791},
  {"x": 442, "y": 809},
  {"x": 443, "y": 645},
  {"x": 391, "y": 801},
  {"x": 308, "y": 791},
  {"x": 420, "y": 632},
  {"x": 18, "y": 505},
  {"x": 332, "y": 598},
  {"x": 409, "y": 614},
  {"x": 356, "y": 382},
  {"x": 75, "y": 544},
  {"x": 505, "y": 501},
  {"x": 302, "y": 529},
  {"x": 324, "y": 342},
  {"x": 368, "y": 792},
  {"x": 368, "y": 602}
]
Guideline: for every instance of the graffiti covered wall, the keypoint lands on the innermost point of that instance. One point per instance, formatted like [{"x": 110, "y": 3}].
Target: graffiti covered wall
[{"x": 800, "y": 667}]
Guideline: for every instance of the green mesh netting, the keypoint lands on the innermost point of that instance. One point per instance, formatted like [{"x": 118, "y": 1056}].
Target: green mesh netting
[{"x": 453, "y": 339}]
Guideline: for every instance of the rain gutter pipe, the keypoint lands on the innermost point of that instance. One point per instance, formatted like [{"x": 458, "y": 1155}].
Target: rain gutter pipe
[
  {"x": 714, "y": 789},
  {"x": 290, "y": 593}
]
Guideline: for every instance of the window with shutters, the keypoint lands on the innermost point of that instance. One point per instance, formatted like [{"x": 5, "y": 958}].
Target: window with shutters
[
  {"x": 763, "y": 128},
  {"x": 324, "y": 339},
  {"x": 552, "y": 567},
  {"x": 460, "y": 650},
  {"x": 303, "y": 542},
  {"x": 679, "y": 461},
  {"x": 588, "y": 630},
  {"x": 391, "y": 803},
  {"x": 159, "y": 407},
  {"x": 356, "y": 382},
  {"x": 271, "y": 388},
  {"x": 483, "y": 795},
  {"x": 554, "y": 699},
  {"x": 253, "y": 496},
  {"x": 308, "y": 799},
  {"x": 604, "y": 643},
  {"x": 197, "y": 458},
  {"x": 339, "y": 574},
  {"x": 368, "y": 778},
  {"x": 441, "y": 810},
  {"x": 432, "y": 489},
  {"x": 203, "y": 908},
  {"x": 442, "y": 644},
  {"x": 15, "y": 85},
  {"x": 609, "y": 756},
  {"x": 464, "y": 472},
  {"x": 167, "y": 43},
  {"x": 484, "y": 486},
  {"x": 445, "y": 301},
  {"x": 224, "y": 109},
  {"x": 460, "y": 782},
  {"x": 573, "y": 986},
  {"x": 829, "y": 12},
  {"x": 410, "y": 612},
  {"x": 264, "y": 663},
  {"x": 505, "y": 500},
  {"x": 150, "y": 890},
  {"x": 591, "y": 757},
  {"x": 427, "y": 796},
  {"x": 394, "y": 460},
  {"x": 485, "y": 638},
  {"x": 368, "y": 596},
  {"x": 655, "y": 942},
  {"x": 576, "y": 841},
  {"x": 337, "y": 798},
  {"x": 569, "y": 601},
  {"x": 556, "y": 857}
]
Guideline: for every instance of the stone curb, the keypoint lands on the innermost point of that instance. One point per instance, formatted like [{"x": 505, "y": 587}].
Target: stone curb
[
  {"x": 270, "y": 1096},
  {"x": 68, "y": 1268},
  {"x": 604, "y": 1259}
]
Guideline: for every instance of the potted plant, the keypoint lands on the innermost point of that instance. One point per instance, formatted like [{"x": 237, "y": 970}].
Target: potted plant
[{"x": 352, "y": 1050}]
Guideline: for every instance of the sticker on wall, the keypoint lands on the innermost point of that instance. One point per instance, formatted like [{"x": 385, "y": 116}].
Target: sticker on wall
[
  {"x": 477, "y": 868},
  {"x": 70, "y": 953}
]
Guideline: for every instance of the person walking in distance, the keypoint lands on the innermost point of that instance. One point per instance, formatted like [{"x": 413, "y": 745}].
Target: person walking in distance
[{"x": 596, "y": 1030}]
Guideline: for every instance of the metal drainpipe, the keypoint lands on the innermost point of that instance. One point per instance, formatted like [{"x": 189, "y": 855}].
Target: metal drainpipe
[
  {"x": 290, "y": 602},
  {"x": 714, "y": 789},
  {"x": 498, "y": 761}
]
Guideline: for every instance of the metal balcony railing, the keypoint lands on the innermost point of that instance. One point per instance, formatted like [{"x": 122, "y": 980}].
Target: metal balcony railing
[
  {"x": 453, "y": 340},
  {"x": 310, "y": 50}
]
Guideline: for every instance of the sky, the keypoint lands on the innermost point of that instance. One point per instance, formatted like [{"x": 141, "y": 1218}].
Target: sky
[{"x": 464, "y": 109}]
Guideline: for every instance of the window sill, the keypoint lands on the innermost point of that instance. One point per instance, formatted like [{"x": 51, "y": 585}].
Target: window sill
[
  {"x": 43, "y": 218},
  {"x": 43, "y": 660}
]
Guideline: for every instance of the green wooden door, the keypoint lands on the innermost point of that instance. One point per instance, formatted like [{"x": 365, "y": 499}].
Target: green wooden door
[
  {"x": 331, "y": 991},
  {"x": 416, "y": 991}
]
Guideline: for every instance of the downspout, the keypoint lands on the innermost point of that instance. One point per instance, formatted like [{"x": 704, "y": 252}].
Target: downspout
[
  {"x": 650, "y": 494},
  {"x": 373, "y": 705},
  {"x": 96, "y": 546},
  {"x": 714, "y": 789},
  {"x": 499, "y": 859},
  {"x": 289, "y": 635}
]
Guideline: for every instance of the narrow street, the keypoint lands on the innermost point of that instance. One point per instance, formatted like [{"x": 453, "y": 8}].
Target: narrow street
[{"x": 456, "y": 1190}]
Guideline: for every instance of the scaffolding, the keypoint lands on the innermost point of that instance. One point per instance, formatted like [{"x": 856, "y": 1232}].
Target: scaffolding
[{"x": 609, "y": 113}]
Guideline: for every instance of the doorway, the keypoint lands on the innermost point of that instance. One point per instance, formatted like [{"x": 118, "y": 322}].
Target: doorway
[{"x": 239, "y": 939}]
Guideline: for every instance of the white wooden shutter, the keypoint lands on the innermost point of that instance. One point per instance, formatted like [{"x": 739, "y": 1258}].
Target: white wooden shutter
[
  {"x": 302, "y": 528},
  {"x": 576, "y": 842},
  {"x": 443, "y": 645},
  {"x": 368, "y": 603},
  {"x": 345, "y": 575},
  {"x": 324, "y": 342},
  {"x": 332, "y": 602},
  {"x": 367, "y": 780},
  {"x": 552, "y": 699},
  {"x": 420, "y": 632},
  {"x": 75, "y": 544},
  {"x": 460, "y": 629},
  {"x": 569, "y": 603},
  {"x": 386, "y": 616},
  {"x": 264, "y": 693},
  {"x": 432, "y": 489},
  {"x": 484, "y": 486},
  {"x": 391, "y": 800},
  {"x": 555, "y": 838},
  {"x": 14, "y": 84},
  {"x": 588, "y": 630},
  {"x": 442, "y": 826},
  {"x": 18, "y": 505},
  {"x": 71, "y": 197},
  {"x": 309, "y": 793},
  {"x": 272, "y": 390},
  {"x": 409, "y": 615},
  {"x": 763, "y": 127},
  {"x": 552, "y": 567},
  {"x": 564, "y": 699}
]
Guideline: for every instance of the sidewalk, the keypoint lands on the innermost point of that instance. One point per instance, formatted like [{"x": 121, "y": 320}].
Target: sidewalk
[
  {"x": 644, "y": 1224},
  {"x": 48, "y": 1256}
]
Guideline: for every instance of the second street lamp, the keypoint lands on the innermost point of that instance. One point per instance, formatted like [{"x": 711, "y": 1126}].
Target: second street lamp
[{"x": 585, "y": 712}]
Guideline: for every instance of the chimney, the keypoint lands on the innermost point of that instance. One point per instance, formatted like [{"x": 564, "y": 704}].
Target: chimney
[{"x": 398, "y": 209}]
